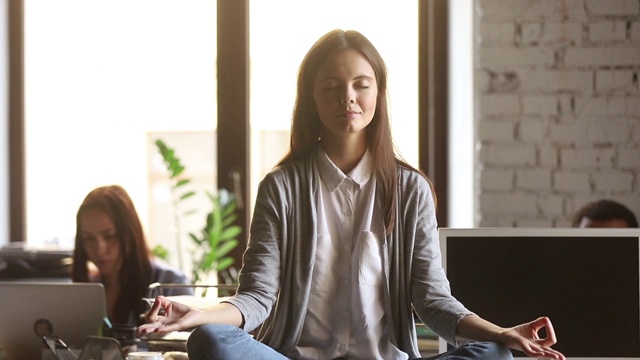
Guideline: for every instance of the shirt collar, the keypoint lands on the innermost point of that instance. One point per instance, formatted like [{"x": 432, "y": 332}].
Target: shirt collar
[{"x": 333, "y": 176}]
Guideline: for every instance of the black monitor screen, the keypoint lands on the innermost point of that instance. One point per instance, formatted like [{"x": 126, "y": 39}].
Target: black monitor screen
[{"x": 588, "y": 286}]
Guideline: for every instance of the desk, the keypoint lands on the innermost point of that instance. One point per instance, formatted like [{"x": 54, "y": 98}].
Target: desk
[{"x": 427, "y": 340}]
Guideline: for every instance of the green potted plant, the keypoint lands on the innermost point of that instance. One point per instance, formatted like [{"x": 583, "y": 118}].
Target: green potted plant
[{"x": 217, "y": 237}]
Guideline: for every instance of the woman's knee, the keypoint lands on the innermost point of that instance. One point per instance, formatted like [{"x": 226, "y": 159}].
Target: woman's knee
[
  {"x": 211, "y": 339},
  {"x": 492, "y": 350},
  {"x": 215, "y": 341}
]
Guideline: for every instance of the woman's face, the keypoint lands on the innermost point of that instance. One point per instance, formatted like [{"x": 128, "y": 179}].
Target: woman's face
[
  {"x": 345, "y": 93},
  {"x": 100, "y": 241}
]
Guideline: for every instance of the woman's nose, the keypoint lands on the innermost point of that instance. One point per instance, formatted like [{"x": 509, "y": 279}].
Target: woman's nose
[
  {"x": 101, "y": 246},
  {"x": 348, "y": 98},
  {"x": 347, "y": 95}
]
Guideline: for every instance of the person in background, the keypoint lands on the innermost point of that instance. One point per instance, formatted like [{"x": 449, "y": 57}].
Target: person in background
[
  {"x": 604, "y": 214},
  {"x": 343, "y": 244},
  {"x": 109, "y": 235}
]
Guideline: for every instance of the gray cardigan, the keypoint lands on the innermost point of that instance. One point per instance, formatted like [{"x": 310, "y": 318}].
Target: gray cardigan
[{"x": 278, "y": 263}]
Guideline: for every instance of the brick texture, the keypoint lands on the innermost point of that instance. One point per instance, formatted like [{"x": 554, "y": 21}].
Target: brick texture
[{"x": 558, "y": 108}]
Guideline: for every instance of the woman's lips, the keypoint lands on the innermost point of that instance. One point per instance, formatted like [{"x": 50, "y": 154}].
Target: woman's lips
[{"x": 350, "y": 114}]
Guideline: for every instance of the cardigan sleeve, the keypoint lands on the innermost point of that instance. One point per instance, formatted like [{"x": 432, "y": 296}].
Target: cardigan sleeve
[
  {"x": 275, "y": 279},
  {"x": 259, "y": 278},
  {"x": 430, "y": 291}
]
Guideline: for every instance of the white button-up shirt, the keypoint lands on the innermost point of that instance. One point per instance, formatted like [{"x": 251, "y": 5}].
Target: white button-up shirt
[{"x": 346, "y": 312}]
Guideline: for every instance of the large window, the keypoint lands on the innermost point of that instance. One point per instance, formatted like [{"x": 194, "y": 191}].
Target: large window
[
  {"x": 278, "y": 46},
  {"x": 103, "y": 80}
]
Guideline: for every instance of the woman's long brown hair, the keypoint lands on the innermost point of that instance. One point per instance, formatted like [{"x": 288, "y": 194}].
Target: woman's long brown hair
[
  {"x": 135, "y": 273},
  {"x": 306, "y": 127}
]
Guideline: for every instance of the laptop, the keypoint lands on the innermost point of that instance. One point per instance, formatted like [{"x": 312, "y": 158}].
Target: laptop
[{"x": 73, "y": 311}]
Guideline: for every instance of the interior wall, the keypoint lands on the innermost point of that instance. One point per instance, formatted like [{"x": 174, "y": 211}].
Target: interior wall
[
  {"x": 4, "y": 125},
  {"x": 460, "y": 102},
  {"x": 557, "y": 108}
]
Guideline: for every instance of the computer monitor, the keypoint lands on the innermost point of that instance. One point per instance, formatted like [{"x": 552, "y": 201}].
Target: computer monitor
[{"x": 585, "y": 280}]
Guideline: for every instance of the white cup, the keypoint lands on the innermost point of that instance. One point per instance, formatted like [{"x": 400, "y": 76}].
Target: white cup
[{"x": 145, "y": 355}]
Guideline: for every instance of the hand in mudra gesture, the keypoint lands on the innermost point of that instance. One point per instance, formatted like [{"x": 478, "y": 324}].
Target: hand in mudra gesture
[{"x": 166, "y": 316}]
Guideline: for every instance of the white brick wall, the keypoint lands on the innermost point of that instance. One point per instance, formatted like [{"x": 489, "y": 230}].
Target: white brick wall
[
  {"x": 561, "y": 33},
  {"x": 612, "y": 7},
  {"x": 615, "y": 82},
  {"x": 635, "y": 32},
  {"x": 608, "y": 32},
  {"x": 558, "y": 110},
  {"x": 532, "y": 129}
]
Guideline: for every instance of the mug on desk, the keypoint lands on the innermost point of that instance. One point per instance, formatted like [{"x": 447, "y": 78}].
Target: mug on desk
[{"x": 126, "y": 336}]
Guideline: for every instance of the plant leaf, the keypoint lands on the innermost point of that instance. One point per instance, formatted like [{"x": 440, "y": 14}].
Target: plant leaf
[
  {"x": 183, "y": 182},
  {"x": 226, "y": 247},
  {"x": 227, "y": 221},
  {"x": 195, "y": 239},
  {"x": 225, "y": 263},
  {"x": 230, "y": 232},
  {"x": 189, "y": 212},
  {"x": 187, "y": 195}
]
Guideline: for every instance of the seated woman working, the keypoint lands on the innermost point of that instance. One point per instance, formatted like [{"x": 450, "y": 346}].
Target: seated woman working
[{"x": 109, "y": 235}]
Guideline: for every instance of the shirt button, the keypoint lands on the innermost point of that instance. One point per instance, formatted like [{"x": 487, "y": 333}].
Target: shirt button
[{"x": 345, "y": 247}]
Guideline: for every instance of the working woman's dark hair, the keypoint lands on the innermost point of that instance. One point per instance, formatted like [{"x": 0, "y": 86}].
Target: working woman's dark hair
[{"x": 135, "y": 273}]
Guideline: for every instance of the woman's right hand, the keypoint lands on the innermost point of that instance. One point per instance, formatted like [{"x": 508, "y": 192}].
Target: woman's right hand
[{"x": 166, "y": 316}]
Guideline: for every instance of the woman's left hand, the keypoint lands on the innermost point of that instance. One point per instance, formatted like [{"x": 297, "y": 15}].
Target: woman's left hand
[{"x": 526, "y": 338}]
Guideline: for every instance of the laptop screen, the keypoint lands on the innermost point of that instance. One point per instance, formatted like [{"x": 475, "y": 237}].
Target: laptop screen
[
  {"x": 72, "y": 310},
  {"x": 585, "y": 280}
]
